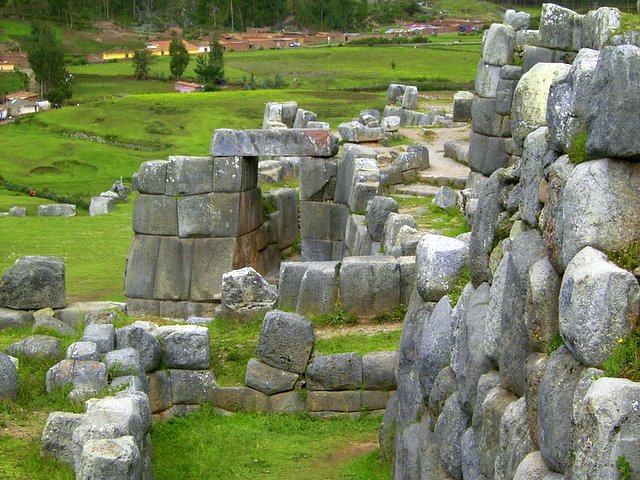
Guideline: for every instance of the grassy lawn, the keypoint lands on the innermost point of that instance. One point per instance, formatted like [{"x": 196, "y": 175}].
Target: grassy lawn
[
  {"x": 282, "y": 447},
  {"x": 10, "y": 82},
  {"x": 431, "y": 218},
  {"x": 328, "y": 68},
  {"x": 94, "y": 249}
]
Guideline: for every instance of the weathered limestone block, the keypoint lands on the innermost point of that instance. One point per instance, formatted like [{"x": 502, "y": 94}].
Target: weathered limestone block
[
  {"x": 369, "y": 284},
  {"x": 191, "y": 387},
  {"x": 189, "y": 175},
  {"x": 318, "y": 288},
  {"x": 267, "y": 379},
  {"x": 599, "y": 303},
  {"x": 532, "y": 467},
  {"x": 610, "y": 116},
  {"x": 125, "y": 362},
  {"x": 555, "y": 407},
  {"x": 408, "y": 274},
  {"x": 392, "y": 226},
  {"x": 101, "y": 206},
  {"x": 395, "y": 93},
  {"x": 560, "y": 28},
  {"x": 486, "y": 121},
  {"x": 36, "y": 346},
  {"x": 517, "y": 20},
  {"x": 79, "y": 373},
  {"x": 287, "y": 402},
  {"x": 364, "y": 183},
  {"x": 145, "y": 343},
  {"x": 18, "y": 212},
  {"x": 493, "y": 409},
  {"x": 445, "y": 198},
  {"x": 357, "y": 239},
  {"x": 185, "y": 346},
  {"x": 346, "y": 401},
  {"x": 57, "y": 436},
  {"x": 33, "y": 283},
  {"x": 82, "y": 351},
  {"x": 160, "y": 398},
  {"x": 317, "y": 179},
  {"x": 462, "y": 102},
  {"x": 245, "y": 289},
  {"x": 151, "y": 177},
  {"x": 529, "y": 107},
  {"x": 378, "y": 210},
  {"x": 57, "y": 210},
  {"x": 173, "y": 269},
  {"x": 48, "y": 323},
  {"x": 487, "y": 79},
  {"x": 219, "y": 214},
  {"x": 535, "y": 159},
  {"x": 8, "y": 379},
  {"x": 470, "y": 455},
  {"x": 212, "y": 257},
  {"x": 358, "y": 133},
  {"x": 321, "y": 250},
  {"x": 113, "y": 458},
  {"x": 504, "y": 96},
  {"x": 457, "y": 150},
  {"x": 486, "y": 154},
  {"x": 142, "y": 261},
  {"x": 286, "y": 341},
  {"x": 323, "y": 220},
  {"x": 346, "y": 167},
  {"x": 291, "y": 274},
  {"x": 286, "y": 142},
  {"x": 155, "y": 215},
  {"x": 541, "y": 308},
  {"x": 606, "y": 429},
  {"x": 342, "y": 371},
  {"x": 444, "y": 386},
  {"x": 410, "y": 98},
  {"x": 280, "y": 112},
  {"x": 303, "y": 117},
  {"x": 390, "y": 124},
  {"x": 239, "y": 399},
  {"x": 103, "y": 335},
  {"x": 449, "y": 429},
  {"x": 498, "y": 44},
  {"x": 234, "y": 174},
  {"x": 439, "y": 261},
  {"x": 515, "y": 442},
  {"x": 378, "y": 371},
  {"x": 598, "y": 25}
]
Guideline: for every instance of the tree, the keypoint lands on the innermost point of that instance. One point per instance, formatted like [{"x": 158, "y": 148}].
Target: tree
[
  {"x": 141, "y": 63},
  {"x": 210, "y": 66},
  {"x": 46, "y": 58},
  {"x": 179, "y": 57}
]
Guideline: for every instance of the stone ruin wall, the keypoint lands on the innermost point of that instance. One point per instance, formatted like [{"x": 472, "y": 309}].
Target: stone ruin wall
[{"x": 478, "y": 395}]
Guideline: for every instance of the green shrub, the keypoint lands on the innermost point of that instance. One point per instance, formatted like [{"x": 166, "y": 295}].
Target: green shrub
[
  {"x": 336, "y": 318},
  {"x": 395, "y": 315},
  {"x": 555, "y": 343},
  {"x": 623, "y": 468}
]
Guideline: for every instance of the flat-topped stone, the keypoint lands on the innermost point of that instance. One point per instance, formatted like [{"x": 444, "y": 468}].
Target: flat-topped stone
[{"x": 284, "y": 142}]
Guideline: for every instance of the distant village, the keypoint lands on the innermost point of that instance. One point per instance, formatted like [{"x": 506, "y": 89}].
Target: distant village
[{"x": 25, "y": 102}]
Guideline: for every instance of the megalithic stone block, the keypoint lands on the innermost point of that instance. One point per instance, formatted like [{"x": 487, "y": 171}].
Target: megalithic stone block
[
  {"x": 211, "y": 258},
  {"x": 155, "y": 215},
  {"x": 219, "y": 214},
  {"x": 173, "y": 271},
  {"x": 323, "y": 220},
  {"x": 141, "y": 266},
  {"x": 189, "y": 175},
  {"x": 285, "y": 142},
  {"x": 235, "y": 174}
]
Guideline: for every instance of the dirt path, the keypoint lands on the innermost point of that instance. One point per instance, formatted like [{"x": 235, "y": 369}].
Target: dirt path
[{"x": 361, "y": 329}]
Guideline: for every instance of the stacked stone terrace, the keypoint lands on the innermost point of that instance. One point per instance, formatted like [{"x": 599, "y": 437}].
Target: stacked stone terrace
[{"x": 478, "y": 395}]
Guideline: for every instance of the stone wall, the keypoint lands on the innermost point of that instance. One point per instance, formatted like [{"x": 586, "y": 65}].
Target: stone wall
[
  {"x": 196, "y": 218},
  {"x": 480, "y": 393}
]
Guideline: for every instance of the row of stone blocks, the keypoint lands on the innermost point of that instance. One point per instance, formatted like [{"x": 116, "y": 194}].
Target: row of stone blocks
[{"x": 362, "y": 285}]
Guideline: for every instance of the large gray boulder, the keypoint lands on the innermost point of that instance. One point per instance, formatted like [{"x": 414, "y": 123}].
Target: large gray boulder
[
  {"x": 113, "y": 458},
  {"x": 378, "y": 371},
  {"x": 598, "y": 26},
  {"x": 267, "y": 379},
  {"x": 101, "y": 206},
  {"x": 356, "y": 132},
  {"x": 286, "y": 341},
  {"x": 393, "y": 224},
  {"x": 318, "y": 288},
  {"x": 532, "y": 467},
  {"x": 487, "y": 79},
  {"x": 535, "y": 159},
  {"x": 36, "y": 346},
  {"x": 185, "y": 346},
  {"x": 151, "y": 177},
  {"x": 83, "y": 351},
  {"x": 517, "y": 20},
  {"x": 611, "y": 116},
  {"x": 449, "y": 429},
  {"x": 560, "y": 28},
  {"x": 57, "y": 210},
  {"x": 103, "y": 335},
  {"x": 493, "y": 409},
  {"x": 317, "y": 179},
  {"x": 10, "y": 318},
  {"x": 515, "y": 441},
  {"x": 8, "y": 378},
  {"x": 439, "y": 262},
  {"x": 555, "y": 408},
  {"x": 434, "y": 345},
  {"x": 145, "y": 343},
  {"x": 378, "y": 210},
  {"x": 342, "y": 371},
  {"x": 245, "y": 289},
  {"x": 84, "y": 374},
  {"x": 541, "y": 308},
  {"x": 598, "y": 205},
  {"x": 498, "y": 44},
  {"x": 369, "y": 284},
  {"x": 191, "y": 387},
  {"x": 462, "y": 102},
  {"x": 606, "y": 429},
  {"x": 529, "y": 108},
  {"x": 33, "y": 283},
  {"x": 599, "y": 303},
  {"x": 124, "y": 362}
]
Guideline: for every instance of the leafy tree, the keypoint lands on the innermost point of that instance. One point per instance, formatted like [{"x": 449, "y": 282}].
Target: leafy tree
[
  {"x": 179, "y": 57},
  {"x": 141, "y": 63},
  {"x": 47, "y": 61},
  {"x": 210, "y": 66}
]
